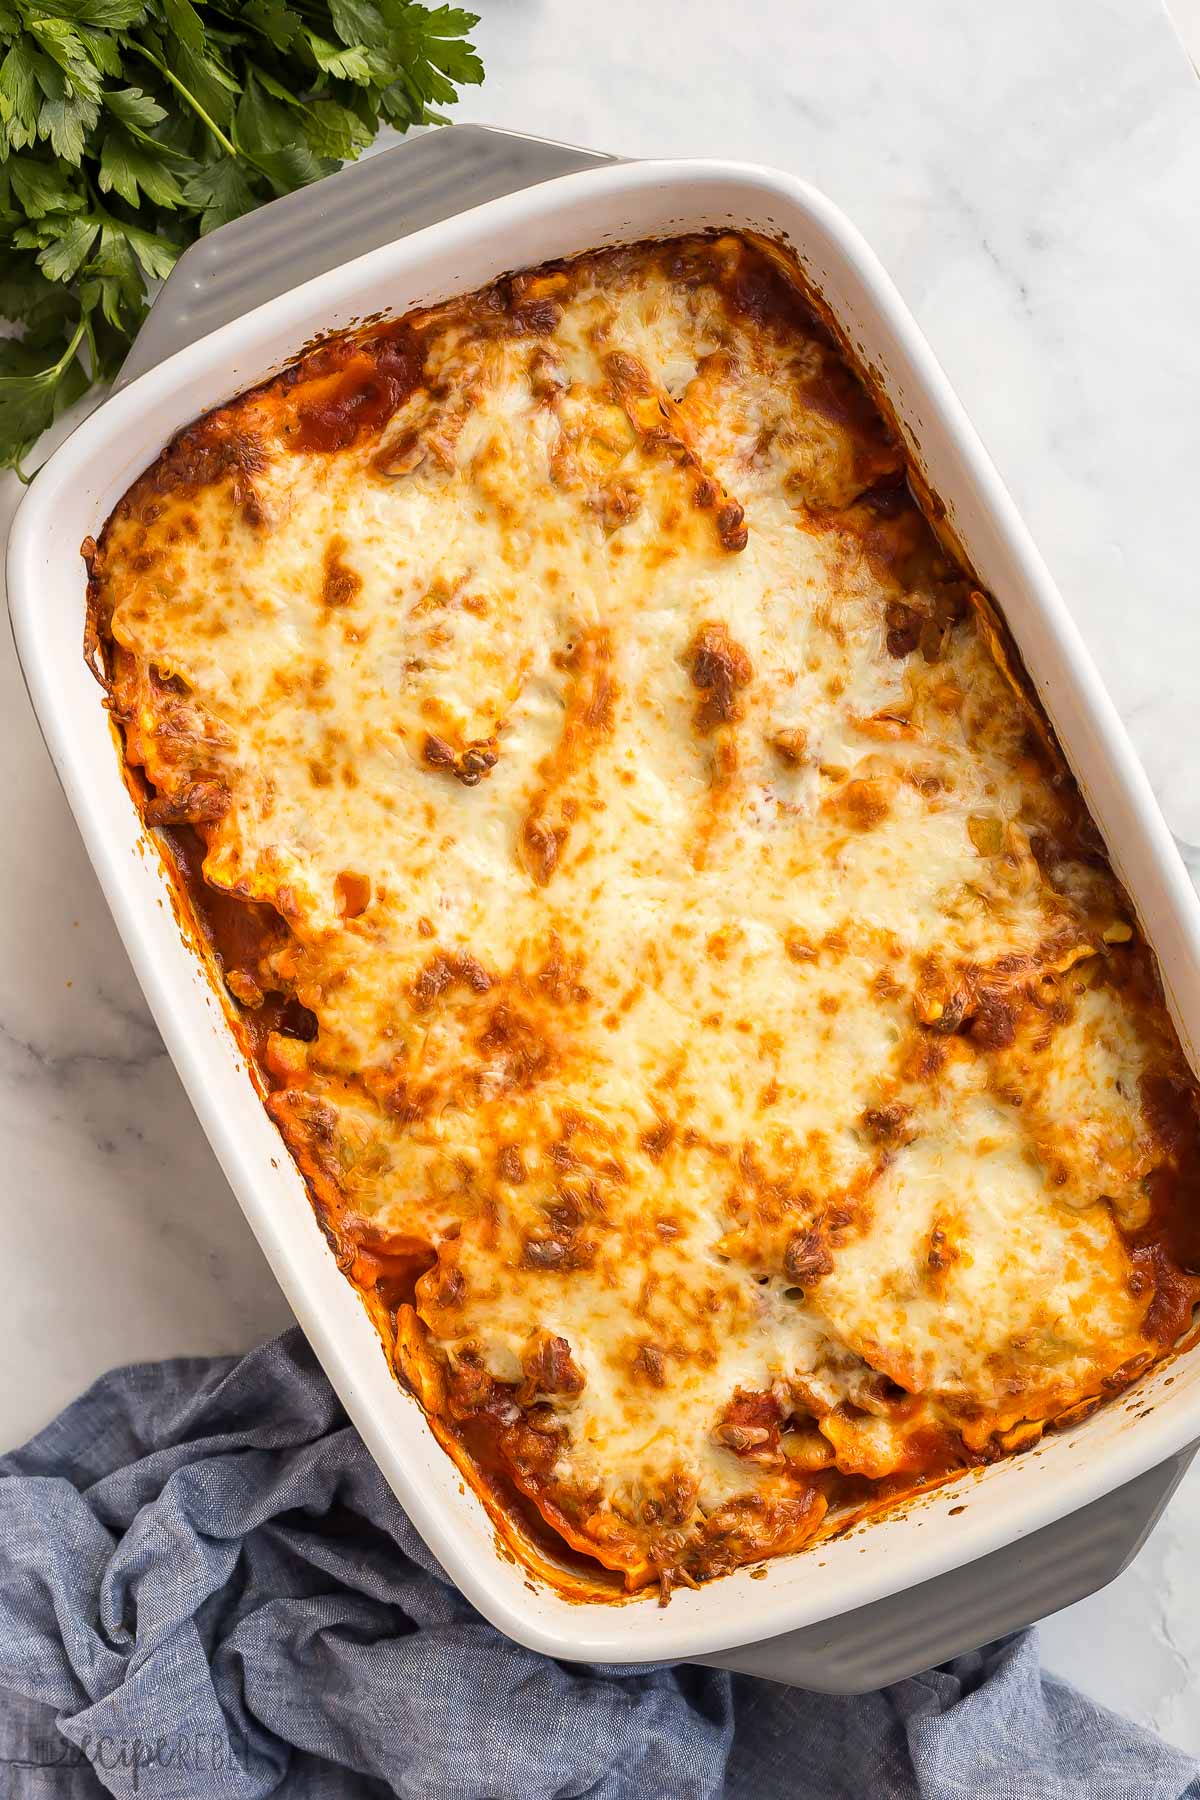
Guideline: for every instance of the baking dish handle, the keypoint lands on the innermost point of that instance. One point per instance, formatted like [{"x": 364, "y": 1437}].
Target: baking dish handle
[
  {"x": 383, "y": 197},
  {"x": 926, "y": 1625}
]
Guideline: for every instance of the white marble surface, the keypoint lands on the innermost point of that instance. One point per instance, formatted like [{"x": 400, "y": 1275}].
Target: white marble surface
[{"x": 1029, "y": 173}]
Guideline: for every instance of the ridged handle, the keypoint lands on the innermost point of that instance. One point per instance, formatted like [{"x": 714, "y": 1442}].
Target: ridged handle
[
  {"x": 375, "y": 201},
  {"x": 1013, "y": 1587}
]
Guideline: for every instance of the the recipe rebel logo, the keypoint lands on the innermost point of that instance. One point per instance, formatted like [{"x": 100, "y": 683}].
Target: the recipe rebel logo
[{"x": 174, "y": 1754}]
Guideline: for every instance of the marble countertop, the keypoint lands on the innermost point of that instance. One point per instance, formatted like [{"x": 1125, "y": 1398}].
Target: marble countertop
[{"x": 1029, "y": 174}]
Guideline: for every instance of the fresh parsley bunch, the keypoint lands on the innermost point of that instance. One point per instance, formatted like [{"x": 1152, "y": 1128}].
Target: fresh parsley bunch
[{"x": 130, "y": 127}]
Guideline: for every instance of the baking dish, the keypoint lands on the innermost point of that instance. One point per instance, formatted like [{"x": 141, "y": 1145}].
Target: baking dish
[{"x": 974, "y": 1517}]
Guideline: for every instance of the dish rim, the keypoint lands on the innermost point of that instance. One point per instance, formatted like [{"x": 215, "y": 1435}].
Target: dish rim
[{"x": 694, "y": 1623}]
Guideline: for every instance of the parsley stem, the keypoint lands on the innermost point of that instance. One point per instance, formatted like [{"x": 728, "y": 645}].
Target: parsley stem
[
  {"x": 191, "y": 99},
  {"x": 48, "y": 376},
  {"x": 64, "y": 360},
  {"x": 93, "y": 352}
]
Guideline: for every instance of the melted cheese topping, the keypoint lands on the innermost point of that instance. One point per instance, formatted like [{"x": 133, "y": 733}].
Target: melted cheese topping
[{"x": 694, "y": 957}]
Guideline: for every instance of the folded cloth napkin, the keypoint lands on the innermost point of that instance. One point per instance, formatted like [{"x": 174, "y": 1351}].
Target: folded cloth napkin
[{"x": 208, "y": 1592}]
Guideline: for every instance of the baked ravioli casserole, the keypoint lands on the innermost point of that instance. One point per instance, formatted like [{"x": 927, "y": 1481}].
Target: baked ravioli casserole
[{"x": 655, "y": 910}]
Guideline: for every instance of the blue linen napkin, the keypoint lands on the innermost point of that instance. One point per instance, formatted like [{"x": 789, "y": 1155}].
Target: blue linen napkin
[{"x": 208, "y": 1592}]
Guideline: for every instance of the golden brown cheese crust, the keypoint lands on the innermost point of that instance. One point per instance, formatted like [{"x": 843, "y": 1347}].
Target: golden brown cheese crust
[{"x": 675, "y": 953}]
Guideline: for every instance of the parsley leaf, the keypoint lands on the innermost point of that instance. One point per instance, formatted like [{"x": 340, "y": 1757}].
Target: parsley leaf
[
  {"x": 114, "y": 279},
  {"x": 130, "y": 169},
  {"x": 28, "y": 297},
  {"x": 358, "y": 22},
  {"x": 64, "y": 255},
  {"x": 19, "y": 97},
  {"x": 273, "y": 21},
  {"x": 40, "y": 187},
  {"x": 220, "y": 191},
  {"x": 105, "y": 15},
  {"x": 183, "y": 22},
  {"x": 337, "y": 132},
  {"x": 136, "y": 111},
  {"x": 351, "y": 62},
  {"x": 130, "y": 127},
  {"x": 33, "y": 392},
  {"x": 63, "y": 44},
  {"x": 66, "y": 120}
]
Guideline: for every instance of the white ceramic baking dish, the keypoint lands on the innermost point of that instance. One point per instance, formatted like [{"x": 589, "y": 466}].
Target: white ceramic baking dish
[{"x": 975, "y": 1518}]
